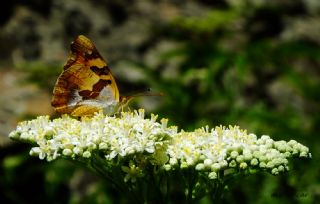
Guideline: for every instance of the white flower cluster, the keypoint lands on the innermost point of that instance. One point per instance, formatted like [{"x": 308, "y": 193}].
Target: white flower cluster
[
  {"x": 224, "y": 148},
  {"x": 206, "y": 150}
]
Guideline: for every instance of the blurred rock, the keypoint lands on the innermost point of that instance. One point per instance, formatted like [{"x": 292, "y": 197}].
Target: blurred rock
[{"x": 19, "y": 100}]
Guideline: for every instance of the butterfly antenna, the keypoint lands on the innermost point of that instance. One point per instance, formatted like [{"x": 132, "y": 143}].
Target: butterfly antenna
[{"x": 148, "y": 92}]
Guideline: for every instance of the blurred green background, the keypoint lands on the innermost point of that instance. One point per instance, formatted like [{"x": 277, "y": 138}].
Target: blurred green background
[{"x": 252, "y": 63}]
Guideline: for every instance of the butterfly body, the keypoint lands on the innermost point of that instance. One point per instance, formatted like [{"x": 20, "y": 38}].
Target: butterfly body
[{"x": 86, "y": 84}]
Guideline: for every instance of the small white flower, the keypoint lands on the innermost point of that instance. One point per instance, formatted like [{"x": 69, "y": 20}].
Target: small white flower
[
  {"x": 254, "y": 162},
  {"x": 280, "y": 145},
  {"x": 67, "y": 152},
  {"x": 164, "y": 123},
  {"x": 234, "y": 154},
  {"x": 207, "y": 162},
  {"x": 35, "y": 151},
  {"x": 247, "y": 156},
  {"x": 103, "y": 145},
  {"x": 281, "y": 168},
  {"x": 223, "y": 163},
  {"x": 275, "y": 171},
  {"x": 200, "y": 167},
  {"x": 215, "y": 167},
  {"x": 86, "y": 154},
  {"x": 167, "y": 167},
  {"x": 262, "y": 165},
  {"x": 233, "y": 163},
  {"x": 132, "y": 172},
  {"x": 243, "y": 165},
  {"x": 239, "y": 158},
  {"x": 265, "y": 138},
  {"x": 303, "y": 154},
  {"x": 213, "y": 175},
  {"x": 270, "y": 165},
  {"x": 77, "y": 150}
]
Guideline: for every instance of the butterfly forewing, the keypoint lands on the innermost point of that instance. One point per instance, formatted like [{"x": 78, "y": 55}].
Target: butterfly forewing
[{"x": 86, "y": 85}]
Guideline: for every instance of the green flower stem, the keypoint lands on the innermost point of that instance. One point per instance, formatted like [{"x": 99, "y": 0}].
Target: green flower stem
[
  {"x": 218, "y": 190},
  {"x": 98, "y": 165}
]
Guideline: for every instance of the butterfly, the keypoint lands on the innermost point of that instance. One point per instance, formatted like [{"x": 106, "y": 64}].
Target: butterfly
[{"x": 86, "y": 84}]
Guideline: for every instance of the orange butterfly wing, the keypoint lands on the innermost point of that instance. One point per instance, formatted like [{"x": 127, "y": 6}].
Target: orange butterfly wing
[{"x": 86, "y": 84}]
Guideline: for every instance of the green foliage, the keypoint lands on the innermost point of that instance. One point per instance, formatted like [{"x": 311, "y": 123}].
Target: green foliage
[
  {"x": 43, "y": 75},
  {"x": 25, "y": 177}
]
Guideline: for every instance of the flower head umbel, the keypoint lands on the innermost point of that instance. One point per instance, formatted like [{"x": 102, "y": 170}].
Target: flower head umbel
[{"x": 139, "y": 148}]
